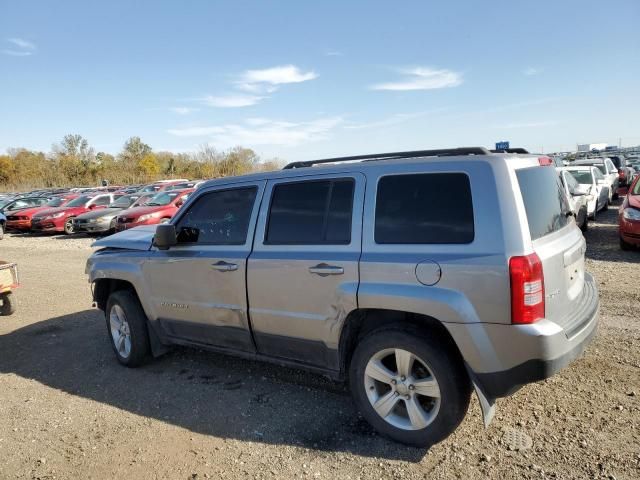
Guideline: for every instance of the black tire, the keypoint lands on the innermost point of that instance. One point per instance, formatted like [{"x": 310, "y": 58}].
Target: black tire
[
  {"x": 137, "y": 325},
  {"x": 585, "y": 225},
  {"x": 112, "y": 227},
  {"x": 445, "y": 366},
  {"x": 606, "y": 206},
  {"x": 624, "y": 245},
  {"x": 8, "y": 304},
  {"x": 68, "y": 226}
]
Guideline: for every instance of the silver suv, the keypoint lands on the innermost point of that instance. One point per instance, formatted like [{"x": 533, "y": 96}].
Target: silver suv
[{"x": 418, "y": 276}]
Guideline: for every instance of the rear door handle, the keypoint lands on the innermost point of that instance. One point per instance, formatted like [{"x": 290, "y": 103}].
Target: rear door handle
[
  {"x": 324, "y": 269},
  {"x": 223, "y": 266}
]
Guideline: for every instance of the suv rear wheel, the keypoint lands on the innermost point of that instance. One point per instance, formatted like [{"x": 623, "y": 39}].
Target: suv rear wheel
[
  {"x": 127, "y": 327},
  {"x": 408, "y": 386}
]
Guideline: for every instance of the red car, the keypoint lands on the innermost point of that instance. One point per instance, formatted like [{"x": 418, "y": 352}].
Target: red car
[
  {"x": 61, "y": 219},
  {"x": 159, "y": 209},
  {"x": 21, "y": 220},
  {"x": 629, "y": 217}
]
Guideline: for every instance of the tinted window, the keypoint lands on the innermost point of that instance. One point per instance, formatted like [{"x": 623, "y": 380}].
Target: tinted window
[
  {"x": 218, "y": 218},
  {"x": 426, "y": 208},
  {"x": 544, "y": 201},
  {"x": 616, "y": 161},
  {"x": 311, "y": 213}
]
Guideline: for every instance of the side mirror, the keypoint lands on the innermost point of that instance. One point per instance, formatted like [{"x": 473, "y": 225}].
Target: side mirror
[
  {"x": 576, "y": 192},
  {"x": 165, "y": 236},
  {"x": 91, "y": 207}
]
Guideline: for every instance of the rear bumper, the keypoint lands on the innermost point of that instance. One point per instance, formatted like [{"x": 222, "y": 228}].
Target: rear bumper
[{"x": 503, "y": 358}]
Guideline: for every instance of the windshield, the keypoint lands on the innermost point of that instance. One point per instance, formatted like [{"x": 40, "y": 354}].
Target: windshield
[
  {"x": 164, "y": 198},
  {"x": 123, "y": 202},
  {"x": 583, "y": 177},
  {"x": 55, "y": 202},
  {"x": 142, "y": 200},
  {"x": 79, "y": 202}
]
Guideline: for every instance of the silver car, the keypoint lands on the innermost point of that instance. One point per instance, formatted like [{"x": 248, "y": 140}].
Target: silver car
[{"x": 418, "y": 277}]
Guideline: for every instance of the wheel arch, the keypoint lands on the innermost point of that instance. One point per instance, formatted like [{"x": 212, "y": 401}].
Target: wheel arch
[{"x": 361, "y": 322}]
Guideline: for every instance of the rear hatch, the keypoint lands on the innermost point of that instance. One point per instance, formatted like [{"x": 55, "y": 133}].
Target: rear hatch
[{"x": 560, "y": 246}]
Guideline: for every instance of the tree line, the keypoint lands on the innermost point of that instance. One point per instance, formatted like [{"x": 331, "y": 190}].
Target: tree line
[{"x": 73, "y": 162}]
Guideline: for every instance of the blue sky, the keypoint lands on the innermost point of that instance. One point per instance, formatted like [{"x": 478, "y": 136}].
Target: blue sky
[{"x": 301, "y": 80}]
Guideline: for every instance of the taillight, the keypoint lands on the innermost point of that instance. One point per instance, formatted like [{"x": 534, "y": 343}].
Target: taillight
[
  {"x": 527, "y": 289},
  {"x": 545, "y": 161}
]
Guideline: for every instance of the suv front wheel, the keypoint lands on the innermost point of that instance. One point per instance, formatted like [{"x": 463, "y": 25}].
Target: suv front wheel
[
  {"x": 127, "y": 327},
  {"x": 409, "y": 387}
]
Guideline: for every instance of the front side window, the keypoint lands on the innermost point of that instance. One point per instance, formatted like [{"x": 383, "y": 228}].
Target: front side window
[
  {"x": 218, "y": 218},
  {"x": 316, "y": 212},
  {"x": 431, "y": 208}
]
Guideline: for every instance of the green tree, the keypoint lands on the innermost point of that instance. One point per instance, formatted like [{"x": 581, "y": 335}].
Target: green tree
[{"x": 148, "y": 165}]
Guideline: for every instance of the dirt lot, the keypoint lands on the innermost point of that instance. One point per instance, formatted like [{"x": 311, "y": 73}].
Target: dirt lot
[{"x": 68, "y": 410}]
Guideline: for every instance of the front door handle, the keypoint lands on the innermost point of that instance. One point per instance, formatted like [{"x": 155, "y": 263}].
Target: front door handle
[
  {"x": 223, "y": 266},
  {"x": 324, "y": 269}
]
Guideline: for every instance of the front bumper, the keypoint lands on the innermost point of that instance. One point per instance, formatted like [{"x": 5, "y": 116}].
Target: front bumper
[
  {"x": 630, "y": 231},
  {"x": 22, "y": 225},
  {"x": 92, "y": 227},
  {"x": 47, "y": 226},
  {"x": 502, "y": 358}
]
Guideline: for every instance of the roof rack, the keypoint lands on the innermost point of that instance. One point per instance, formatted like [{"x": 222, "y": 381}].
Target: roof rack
[
  {"x": 510, "y": 150},
  {"x": 443, "y": 152}
]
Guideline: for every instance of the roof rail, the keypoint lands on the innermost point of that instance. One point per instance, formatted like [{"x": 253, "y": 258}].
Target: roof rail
[
  {"x": 443, "y": 152},
  {"x": 510, "y": 150}
]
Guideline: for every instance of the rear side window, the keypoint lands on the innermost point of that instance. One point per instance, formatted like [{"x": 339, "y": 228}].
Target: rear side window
[
  {"x": 424, "y": 209},
  {"x": 602, "y": 168},
  {"x": 311, "y": 213},
  {"x": 545, "y": 202}
]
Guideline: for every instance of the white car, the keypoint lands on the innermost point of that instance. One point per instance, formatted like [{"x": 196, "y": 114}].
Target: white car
[
  {"x": 593, "y": 182},
  {"x": 608, "y": 169},
  {"x": 578, "y": 198}
]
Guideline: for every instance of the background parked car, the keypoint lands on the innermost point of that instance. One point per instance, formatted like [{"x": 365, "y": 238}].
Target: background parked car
[
  {"x": 104, "y": 220},
  {"x": 22, "y": 203},
  {"x": 161, "y": 208},
  {"x": 577, "y": 198},
  {"x": 593, "y": 183},
  {"x": 608, "y": 169},
  {"x": 21, "y": 219},
  {"x": 625, "y": 172},
  {"x": 61, "y": 219},
  {"x": 629, "y": 217}
]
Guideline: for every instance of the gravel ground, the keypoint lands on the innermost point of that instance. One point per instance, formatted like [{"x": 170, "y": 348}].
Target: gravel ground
[{"x": 68, "y": 410}]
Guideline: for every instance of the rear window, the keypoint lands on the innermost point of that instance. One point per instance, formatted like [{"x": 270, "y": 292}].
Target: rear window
[
  {"x": 424, "y": 209},
  {"x": 545, "y": 202}
]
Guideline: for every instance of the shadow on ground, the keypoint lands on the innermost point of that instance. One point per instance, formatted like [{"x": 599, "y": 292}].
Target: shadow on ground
[{"x": 200, "y": 391}]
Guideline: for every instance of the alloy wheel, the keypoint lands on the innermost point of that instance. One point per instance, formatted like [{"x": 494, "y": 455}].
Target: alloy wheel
[
  {"x": 402, "y": 389},
  {"x": 120, "y": 331}
]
